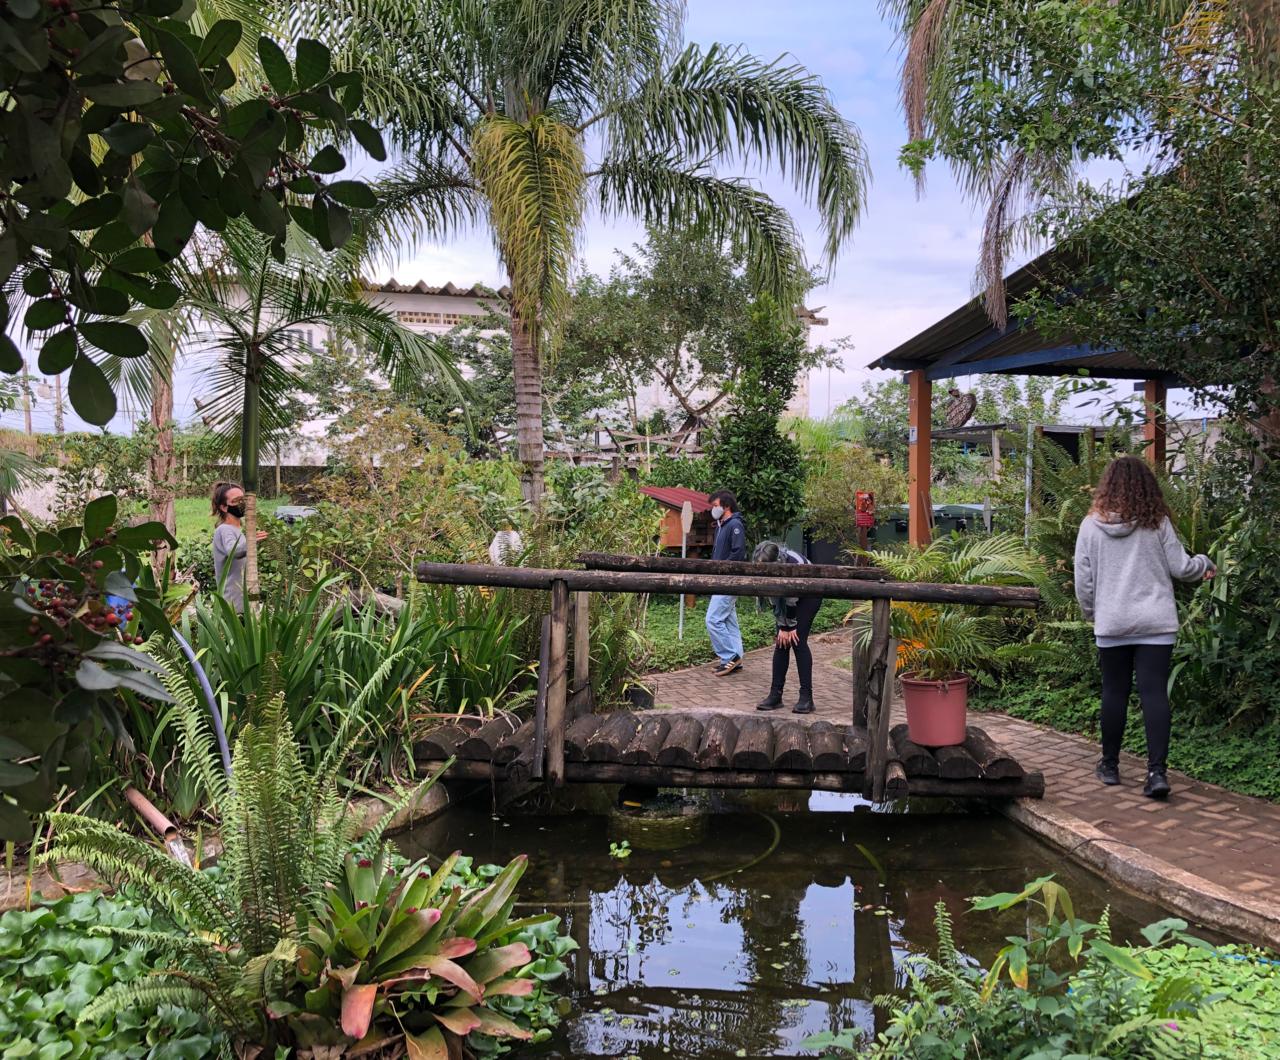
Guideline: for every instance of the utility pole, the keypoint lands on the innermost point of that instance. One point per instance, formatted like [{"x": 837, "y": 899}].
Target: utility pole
[
  {"x": 26, "y": 397},
  {"x": 57, "y": 405}
]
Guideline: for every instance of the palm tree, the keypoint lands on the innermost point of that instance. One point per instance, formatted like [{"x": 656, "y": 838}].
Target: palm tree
[
  {"x": 522, "y": 113},
  {"x": 250, "y": 306}
]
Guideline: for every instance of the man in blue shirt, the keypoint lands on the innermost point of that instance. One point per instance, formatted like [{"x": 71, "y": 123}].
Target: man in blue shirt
[{"x": 722, "y": 611}]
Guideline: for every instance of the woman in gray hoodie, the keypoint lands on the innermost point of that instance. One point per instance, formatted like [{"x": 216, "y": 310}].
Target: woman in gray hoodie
[{"x": 1127, "y": 557}]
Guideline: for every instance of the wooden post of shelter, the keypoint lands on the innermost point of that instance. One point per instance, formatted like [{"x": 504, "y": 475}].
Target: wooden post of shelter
[
  {"x": 1155, "y": 431},
  {"x": 557, "y": 681},
  {"x": 919, "y": 462}
]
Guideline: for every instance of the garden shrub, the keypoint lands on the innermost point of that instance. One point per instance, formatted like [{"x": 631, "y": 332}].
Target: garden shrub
[
  {"x": 1066, "y": 989},
  {"x": 749, "y": 454},
  {"x": 58, "y": 956}
]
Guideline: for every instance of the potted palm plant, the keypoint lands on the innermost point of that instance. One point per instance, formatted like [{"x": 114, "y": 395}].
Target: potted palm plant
[{"x": 941, "y": 647}]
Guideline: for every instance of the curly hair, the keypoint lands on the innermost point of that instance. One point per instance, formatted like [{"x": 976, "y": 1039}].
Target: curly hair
[{"x": 1130, "y": 492}]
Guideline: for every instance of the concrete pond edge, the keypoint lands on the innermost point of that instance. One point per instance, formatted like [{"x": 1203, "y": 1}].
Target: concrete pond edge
[
  {"x": 73, "y": 877},
  {"x": 1181, "y": 892}
]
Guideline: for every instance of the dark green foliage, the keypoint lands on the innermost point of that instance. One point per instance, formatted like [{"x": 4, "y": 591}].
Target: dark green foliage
[
  {"x": 693, "y": 473},
  {"x": 58, "y": 956},
  {"x": 65, "y": 655},
  {"x": 182, "y": 149},
  {"x": 749, "y": 455}
]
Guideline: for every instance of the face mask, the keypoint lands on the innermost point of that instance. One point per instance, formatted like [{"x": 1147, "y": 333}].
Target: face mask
[
  {"x": 717, "y": 513},
  {"x": 236, "y": 509}
]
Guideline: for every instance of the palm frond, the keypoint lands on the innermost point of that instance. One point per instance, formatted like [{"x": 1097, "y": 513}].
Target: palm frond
[
  {"x": 532, "y": 174},
  {"x": 422, "y": 199},
  {"x": 665, "y": 194},
  {"x": 724, "y": 102}
]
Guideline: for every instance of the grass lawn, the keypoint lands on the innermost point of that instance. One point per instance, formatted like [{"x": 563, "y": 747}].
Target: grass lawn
[
  {"x": 194, "y": 523},
  {"x": 758, "y": 628}
]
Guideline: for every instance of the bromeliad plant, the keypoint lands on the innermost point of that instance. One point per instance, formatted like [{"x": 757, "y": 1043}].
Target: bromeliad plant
[
  {"x": 297, "y": 943},
  {"x": 413, "y": 950}
]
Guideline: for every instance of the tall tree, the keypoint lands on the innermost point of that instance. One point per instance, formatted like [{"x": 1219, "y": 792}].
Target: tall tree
[
  {"x": 250, "y": 307},
  {"x": 1016, "y": 96},
  {"x": 522, "y": 113}
]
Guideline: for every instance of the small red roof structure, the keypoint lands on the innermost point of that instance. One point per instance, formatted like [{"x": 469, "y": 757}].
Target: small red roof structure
[{"x": 674, "y": 497}]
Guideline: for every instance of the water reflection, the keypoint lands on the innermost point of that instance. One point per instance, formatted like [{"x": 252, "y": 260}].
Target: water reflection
[{"x": 683, "y": 956}]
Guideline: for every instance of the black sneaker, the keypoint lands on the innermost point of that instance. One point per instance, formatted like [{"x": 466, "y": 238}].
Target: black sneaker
[
  {"x": 726, "y": 668},
  {"x": 770, "y": 702},
  {"x": 1108, "y": 772},
  {"x": 803, "y": 706},
  {"x": 1157, "y": 785}
]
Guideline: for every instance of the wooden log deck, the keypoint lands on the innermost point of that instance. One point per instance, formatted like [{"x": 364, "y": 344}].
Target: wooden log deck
[
  {"x": 565, "y": 743},
  {"x": 661, "y": 748}
]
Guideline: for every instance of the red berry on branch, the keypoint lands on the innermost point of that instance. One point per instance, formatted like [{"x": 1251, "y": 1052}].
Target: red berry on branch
[
  {"x": 138, "y": 639},
  {"x": 98, "y": 564},
  {"x": 47, "y": 639},
  {"x": 112, "y": 619}
]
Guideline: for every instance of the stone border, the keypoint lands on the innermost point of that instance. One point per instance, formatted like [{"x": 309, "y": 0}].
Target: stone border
[
  {"x": 1150, "y": 877},
  {"x": 74, "y": 877}
]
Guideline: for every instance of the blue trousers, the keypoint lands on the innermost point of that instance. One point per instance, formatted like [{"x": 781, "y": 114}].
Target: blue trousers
[{"x": 722, "y": 627}]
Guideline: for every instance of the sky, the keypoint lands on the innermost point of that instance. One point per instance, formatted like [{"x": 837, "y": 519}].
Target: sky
[{"x": 910, "y": 262}]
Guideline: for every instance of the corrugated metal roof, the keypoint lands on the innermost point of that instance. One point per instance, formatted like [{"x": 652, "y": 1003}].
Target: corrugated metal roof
[
  {"x": 962, "y": 341},
  {"x": 451, "y": 290},
  {"x": 675, "y": 496}
]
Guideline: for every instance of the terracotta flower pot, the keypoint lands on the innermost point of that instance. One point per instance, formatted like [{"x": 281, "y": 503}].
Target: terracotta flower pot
[{"x": 936, "y": 710}]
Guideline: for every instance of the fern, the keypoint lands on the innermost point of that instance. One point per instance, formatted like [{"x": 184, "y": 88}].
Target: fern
[{"x": 147, "y": 992}]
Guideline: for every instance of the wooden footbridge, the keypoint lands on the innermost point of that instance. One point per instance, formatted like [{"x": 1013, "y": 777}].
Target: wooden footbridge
[{"x": 565, "y": 742}]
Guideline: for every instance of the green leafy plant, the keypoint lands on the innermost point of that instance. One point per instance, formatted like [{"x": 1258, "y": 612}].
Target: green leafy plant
[
  {"x": 66, "y": 652},
  {"x": 620, "y": 851},
  {"x": 935, "y": 642},
  {"x": 273, "y": 945},
  {"x": 1063, "y": 989},
  {"x": 125, "y": 131},
  {"x": 58, "y": 956}
]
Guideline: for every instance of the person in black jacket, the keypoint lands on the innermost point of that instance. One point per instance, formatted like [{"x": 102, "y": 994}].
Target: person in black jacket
[
  {"x": 794, "y": 616},
  {"x": 722, "y": 611}
]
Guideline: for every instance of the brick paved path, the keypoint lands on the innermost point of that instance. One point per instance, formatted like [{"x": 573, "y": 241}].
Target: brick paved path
[{"x": 1230, "y": 840}]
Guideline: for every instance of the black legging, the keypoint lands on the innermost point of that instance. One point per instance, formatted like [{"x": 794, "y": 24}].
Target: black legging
[
  {"x": 1151, "y": 661},
  {"x": 806, "y": 608}
]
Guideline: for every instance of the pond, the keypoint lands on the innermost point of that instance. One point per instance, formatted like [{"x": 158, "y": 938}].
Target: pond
[{"x": 765, "y": 919}]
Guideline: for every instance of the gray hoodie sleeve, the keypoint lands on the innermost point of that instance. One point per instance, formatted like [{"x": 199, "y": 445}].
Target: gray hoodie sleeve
[
  {"x": 1182, "y": 566},
  {"x": 1084, "y": 570}
]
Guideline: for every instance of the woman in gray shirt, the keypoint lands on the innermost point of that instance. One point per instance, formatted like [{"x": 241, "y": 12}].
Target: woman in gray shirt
[
  {"x": 229, "y": 545},
  {"x": 1127, "y": 557}
]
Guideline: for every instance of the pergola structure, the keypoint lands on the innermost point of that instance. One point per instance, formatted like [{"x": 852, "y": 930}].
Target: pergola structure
[{"x": 967, "y": 343}]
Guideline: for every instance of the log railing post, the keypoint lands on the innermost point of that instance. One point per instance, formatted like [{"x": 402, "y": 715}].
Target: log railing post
[
  {"x": 861, "y": 666},
  {"x": 557, "y": 681},
  {"x": 880, "y": 736},
  {"x": 581, "y": 645},
  {"x": 876, "y": 703},
  {"x": 540, "y": 701}
]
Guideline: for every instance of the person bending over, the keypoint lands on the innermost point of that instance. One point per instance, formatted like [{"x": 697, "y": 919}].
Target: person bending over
[{"x": 794, "y": 616}]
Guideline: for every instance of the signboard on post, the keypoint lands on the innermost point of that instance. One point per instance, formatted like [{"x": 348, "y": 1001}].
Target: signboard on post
[
  {"x": 686, "y": 524},
  {"x": 864, "y": 515},
  {"x": 864, "y": 509}
]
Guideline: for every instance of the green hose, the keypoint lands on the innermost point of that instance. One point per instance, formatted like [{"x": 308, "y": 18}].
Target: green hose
[{"x": 777, "y": 838}]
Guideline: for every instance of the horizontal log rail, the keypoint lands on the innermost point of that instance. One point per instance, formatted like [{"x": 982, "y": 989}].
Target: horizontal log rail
[
  {"x": 682, "y": 565},
  {"x": 601, "y": 581}
]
